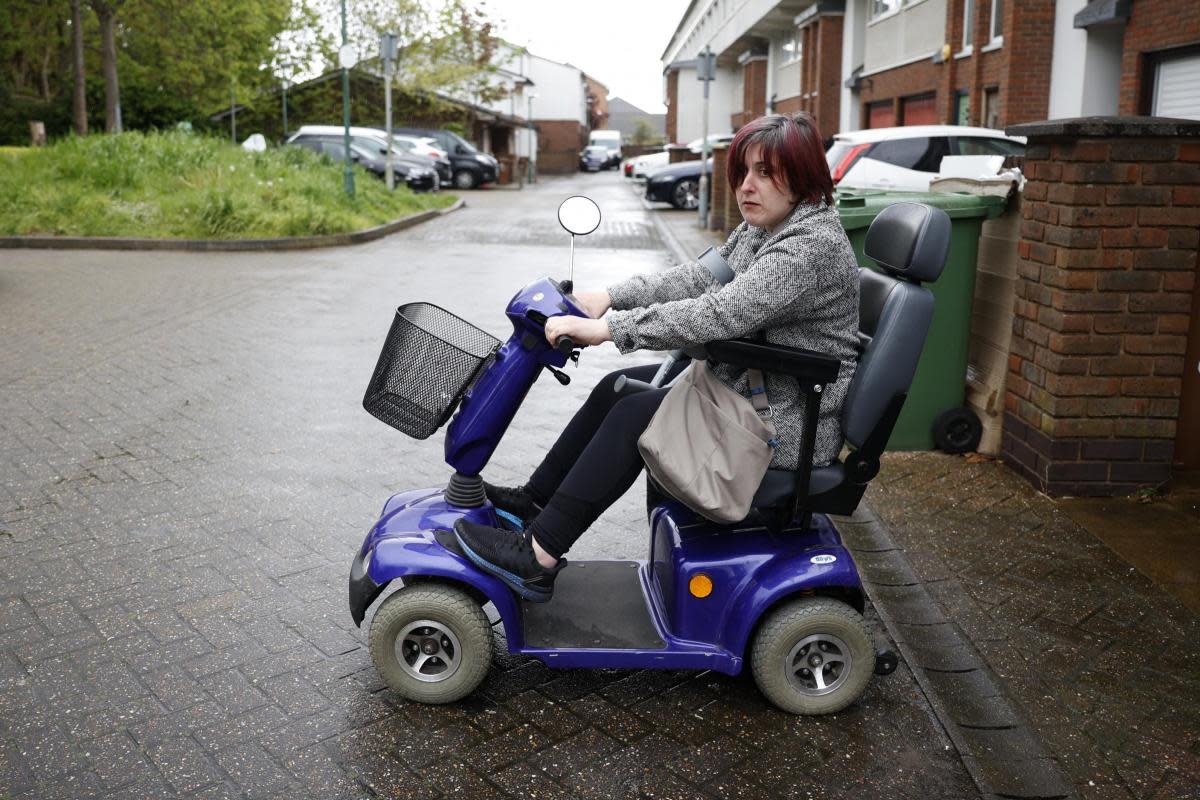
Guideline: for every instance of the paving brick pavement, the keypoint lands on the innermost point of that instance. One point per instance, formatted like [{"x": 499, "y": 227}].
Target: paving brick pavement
[
  {"x": 1103, "y": 662},
  {"x": 186, "y": 472}
]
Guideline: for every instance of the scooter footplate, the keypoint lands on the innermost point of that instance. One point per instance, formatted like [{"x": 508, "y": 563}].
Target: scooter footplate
[{"x": 596, "y": 604}]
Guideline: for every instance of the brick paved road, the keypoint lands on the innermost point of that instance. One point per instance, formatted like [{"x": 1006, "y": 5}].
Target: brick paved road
[{"x": 186, "y": 473}]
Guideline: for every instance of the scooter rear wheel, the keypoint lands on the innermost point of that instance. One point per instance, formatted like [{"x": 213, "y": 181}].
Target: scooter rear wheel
[
  {"x": 813, "y": 656},
  {"x": 431, "y": 643}
]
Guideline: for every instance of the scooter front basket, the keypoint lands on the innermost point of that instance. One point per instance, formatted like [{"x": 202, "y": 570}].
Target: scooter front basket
[{"x": 429, "y": 359}]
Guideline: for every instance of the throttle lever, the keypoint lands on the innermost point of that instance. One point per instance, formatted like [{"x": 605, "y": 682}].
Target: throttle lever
[{"x": 559, "y": 375}]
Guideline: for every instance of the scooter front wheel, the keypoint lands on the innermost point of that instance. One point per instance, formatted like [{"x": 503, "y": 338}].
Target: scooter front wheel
[
  {"x": 813, "y": 656},
  {"x": 431, "y": 643}
]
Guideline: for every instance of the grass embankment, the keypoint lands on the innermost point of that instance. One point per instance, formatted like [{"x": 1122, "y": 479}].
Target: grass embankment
[{"x": 179, "y": 185}]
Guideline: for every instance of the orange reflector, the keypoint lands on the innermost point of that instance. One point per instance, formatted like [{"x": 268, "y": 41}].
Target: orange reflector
[{"x": 700, "y": 585}]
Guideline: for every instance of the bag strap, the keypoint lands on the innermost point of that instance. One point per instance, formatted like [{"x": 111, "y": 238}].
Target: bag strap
[{"x": 758, "y": 392}]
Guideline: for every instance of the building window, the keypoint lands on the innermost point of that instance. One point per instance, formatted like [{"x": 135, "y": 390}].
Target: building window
[
  {"x": 997, "y": 27},
  {"x": 881, "y": 7},
  {"x": 991, "y": 108},
  {"x": 968, "y": 36},
  {"x": 791, "y": 49}
]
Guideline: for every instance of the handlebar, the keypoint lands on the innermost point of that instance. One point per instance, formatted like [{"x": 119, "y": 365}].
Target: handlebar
[{"x": 565, "y": 344}]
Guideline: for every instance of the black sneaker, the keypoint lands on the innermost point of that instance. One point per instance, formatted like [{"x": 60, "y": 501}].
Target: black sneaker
[
  {"x": 515, "y": 502},
  {"x": 509, "y": 556}
]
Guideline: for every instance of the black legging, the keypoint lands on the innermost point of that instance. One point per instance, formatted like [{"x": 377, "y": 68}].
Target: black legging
[{"x": 594, "y": 461}]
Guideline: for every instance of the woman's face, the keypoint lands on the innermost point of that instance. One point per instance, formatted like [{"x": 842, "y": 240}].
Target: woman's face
[{"x": 762, "y": 201}]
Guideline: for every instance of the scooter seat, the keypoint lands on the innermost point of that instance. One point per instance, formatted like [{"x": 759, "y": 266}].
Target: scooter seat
[{"x": 779, "y": 485}]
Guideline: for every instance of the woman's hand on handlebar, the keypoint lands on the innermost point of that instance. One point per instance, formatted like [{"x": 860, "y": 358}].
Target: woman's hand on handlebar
[
  {"x": 582, "y": 331},
  {"x": 594, "y": 301}
]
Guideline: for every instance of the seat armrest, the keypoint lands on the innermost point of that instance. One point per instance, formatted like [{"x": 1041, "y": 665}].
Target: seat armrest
[{"x": 802, "y": 364}]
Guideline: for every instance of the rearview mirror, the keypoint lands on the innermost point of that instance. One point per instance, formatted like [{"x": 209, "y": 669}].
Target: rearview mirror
[{"x": 579, "y": 215}]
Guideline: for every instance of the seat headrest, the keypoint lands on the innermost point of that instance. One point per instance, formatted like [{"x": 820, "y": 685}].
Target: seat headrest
[{"x": 909, "y": 240}]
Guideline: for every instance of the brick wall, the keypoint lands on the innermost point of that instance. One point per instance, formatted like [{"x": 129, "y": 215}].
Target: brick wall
[
  {"x": 559, "y": 145},
  {"x": 1107, "y": 264},
  {"x": 597, "y": 100},
  {"x": 906, "y": 81},
  {"x": 790, "y": 105},
  {"x": 673, "y": 106},
  {"x": 1153, "y": 25},
  {"x": 1019, "y": 70}
]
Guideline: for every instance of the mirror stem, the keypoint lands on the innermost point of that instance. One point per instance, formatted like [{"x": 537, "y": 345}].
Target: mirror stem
[{"x": 571, "y": 274}]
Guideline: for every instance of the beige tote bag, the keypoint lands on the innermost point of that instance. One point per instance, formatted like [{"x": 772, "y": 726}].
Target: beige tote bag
[{"x": 709, "y": 446}]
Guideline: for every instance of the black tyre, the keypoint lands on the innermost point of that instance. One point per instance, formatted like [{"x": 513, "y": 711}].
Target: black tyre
[
  {"x": 957, "y": 430},
  {"x": 686, "y": 194},
  {"x": 813, "y": 656},
  {"x": 465, "y": 179},
  {"x": 431, "y": 643}
]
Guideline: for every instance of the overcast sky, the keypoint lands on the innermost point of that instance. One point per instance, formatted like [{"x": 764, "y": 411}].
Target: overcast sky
[{"x": 617, "y": 42}]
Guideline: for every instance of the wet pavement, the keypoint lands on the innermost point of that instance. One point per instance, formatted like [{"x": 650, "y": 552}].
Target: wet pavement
[
  {"x": 186, "y": 472},
  {"x": 1077, "y": 618}
]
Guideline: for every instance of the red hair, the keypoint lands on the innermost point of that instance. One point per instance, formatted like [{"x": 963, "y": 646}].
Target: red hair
[{"x": 792, "y": 151}]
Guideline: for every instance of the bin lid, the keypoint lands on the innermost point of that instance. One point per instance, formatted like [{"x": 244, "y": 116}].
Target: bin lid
[{"x": 859, "y": 207}]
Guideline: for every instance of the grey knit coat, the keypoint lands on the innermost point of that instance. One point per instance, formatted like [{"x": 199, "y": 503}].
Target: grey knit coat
[{"x": 799, "y": 286}]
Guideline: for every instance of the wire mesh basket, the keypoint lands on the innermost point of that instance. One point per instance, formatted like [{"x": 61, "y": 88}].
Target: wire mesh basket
[{"x": 429, "y": 359}]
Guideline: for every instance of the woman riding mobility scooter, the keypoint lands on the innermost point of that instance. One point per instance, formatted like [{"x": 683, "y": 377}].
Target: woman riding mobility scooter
[{"x": 778, "y": 589}]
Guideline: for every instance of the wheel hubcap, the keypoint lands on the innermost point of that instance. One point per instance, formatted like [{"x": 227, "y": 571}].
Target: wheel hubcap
[
  {"x": 688, "y": 195},
  {"x": 428, "y": 651},
  {"x": 818, "y": 664}
]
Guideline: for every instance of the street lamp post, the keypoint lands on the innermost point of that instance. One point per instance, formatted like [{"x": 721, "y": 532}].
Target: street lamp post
[
  {"x": 347, "y": 58},
  {"x": 387, "y": 48},
  {"x": 287, "y": 69},
  {"x": 532, "y": 166},
  {"x": 707, "y": 73}
]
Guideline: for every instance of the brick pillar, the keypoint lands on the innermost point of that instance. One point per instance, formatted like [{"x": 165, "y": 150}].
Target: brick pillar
[
  {"x": 754, "y": 89},
  {"x": 828, "y": 83},
  {"x": 720, "y": 188},
  {"x": 1025, "y": 70},
  {"x": 1107, "y": 262},
  {"x": 726, "y": 214},
  {"x": 672, "y": 131}
]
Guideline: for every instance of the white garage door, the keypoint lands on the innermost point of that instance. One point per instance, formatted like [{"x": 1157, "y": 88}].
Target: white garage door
[{"x": 1177, "y": 88}]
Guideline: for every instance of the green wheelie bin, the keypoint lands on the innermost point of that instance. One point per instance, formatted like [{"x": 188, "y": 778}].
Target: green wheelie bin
[{"x": 935, "y": 413}]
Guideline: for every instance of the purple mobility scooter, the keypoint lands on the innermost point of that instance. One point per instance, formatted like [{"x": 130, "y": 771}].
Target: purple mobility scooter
[{"x": 778, "y": 590}]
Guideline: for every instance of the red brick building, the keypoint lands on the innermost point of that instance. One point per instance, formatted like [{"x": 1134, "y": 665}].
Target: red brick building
[{"x": 875, "y": 63}]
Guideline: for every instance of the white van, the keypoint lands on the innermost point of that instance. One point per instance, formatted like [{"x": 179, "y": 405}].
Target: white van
[{"x": 610, "y": 140}]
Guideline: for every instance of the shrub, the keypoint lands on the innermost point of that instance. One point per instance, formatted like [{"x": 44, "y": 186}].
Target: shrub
[{"x": 178, "y": 184}]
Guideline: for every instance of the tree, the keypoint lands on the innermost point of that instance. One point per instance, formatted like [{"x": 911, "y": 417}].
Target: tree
[
  {"x": 643, "y": 133},
  {"x": 181, "y": 50},
  {"x": 79, "y": 96},
  {"x": 106, "y": 12},
  {"x": 447, "y": 48},
  {"x": 32, "y": 38}
]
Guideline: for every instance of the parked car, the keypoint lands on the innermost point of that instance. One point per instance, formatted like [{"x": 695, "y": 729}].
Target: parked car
[
  {"x": 470, "y": 168},
  {"x": 907, "y": 158},
  {"x": 426, "y": 148},
  {"x": 677, "y": 184},
  {"x": 713, "y": 140},
  {"x": 594, "y": 158},
  {"x": 644, "y": 165},
  {"x": 371, "y": 154}
]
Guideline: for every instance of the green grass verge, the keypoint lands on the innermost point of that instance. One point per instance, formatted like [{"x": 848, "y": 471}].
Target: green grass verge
[{"x": 178, "y": 185}]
